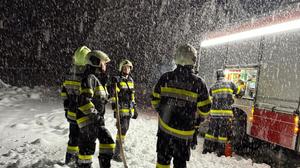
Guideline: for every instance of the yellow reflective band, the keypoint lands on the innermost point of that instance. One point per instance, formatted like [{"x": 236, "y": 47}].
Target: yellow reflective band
[
  {"x": 101, "y": 88},
  {"x": 70, "y": 113},
  {"x": 82, "y": 119},
  {"x": 124, "y": 110},
  {"x": 132, "y": 97},
  {"x": 222, "y": 138},
  {"x": 179, "y": 91},
  {"x": 203, "y": 113},
  {"x": 130, "y": 84},
  {"x": 162, "y": 166},
  {"x": 155, "y": 102},
  {"x": 203, "y": 103},
  {"x": 221, "y": 111},
  {"x": 88, "y": 91},
  {"x": 118, "y": 89},
  {"x": 176, "y": 131},
  {"x": 73, "y": 83},
  {"x": 208, "y": 136},
  {"x": 122, "y": 136},
  {"x": 107, "y": 146},
  {"x": 85, "y": 157},
  {"x": 73, "y": 148},
  {"x": 157, "y": 95},
  {"x": 113, "y": 99},
  {"x": 63, "y": 94},
  {"x": 226, "y": 90},
  {"x": 86, "y": 107},
  {"x": 238, "y": 90}
]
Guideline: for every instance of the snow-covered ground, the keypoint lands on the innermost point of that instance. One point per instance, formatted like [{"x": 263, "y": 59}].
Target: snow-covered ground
[{"x": 34, "y": 134}]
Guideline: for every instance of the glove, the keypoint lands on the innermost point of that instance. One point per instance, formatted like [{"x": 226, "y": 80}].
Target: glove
[
  {"x": 115, "y": 114},
  {"x": 84, "y": 130},
  {"x": 114, "y": 107},
  {"x": 199, "y": 120},
  {"x": 66, "y": 104},
  {"x": 193, "y": 145},
  {"x": 135, "y": 114},
  {"x": 94, "y": 116},
  {"x": 66, "y": 113},
  {"x": 194, "y": 141}
]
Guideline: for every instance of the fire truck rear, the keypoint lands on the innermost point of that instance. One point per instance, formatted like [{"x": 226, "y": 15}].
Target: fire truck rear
[{"x": 263, "y": 58}]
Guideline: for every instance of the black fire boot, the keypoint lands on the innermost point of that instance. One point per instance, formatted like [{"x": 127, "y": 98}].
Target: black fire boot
[
  {"x": 179, "y": 163},
  {"x": 221, "y": 149},
  {"x": 104, "y": 161},
  {"x": 71, "y": 159},
  {"x": 84, "y": 165},
  {"x": 208, "y": 147}
]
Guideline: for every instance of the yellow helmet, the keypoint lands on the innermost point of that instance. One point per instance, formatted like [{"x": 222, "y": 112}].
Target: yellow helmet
[
  {"x": 94, "y": 57},
  {"x": 80, "y": 54},
  {"x": 125, "y": 63},
  {"x": 186, "y": 55}
]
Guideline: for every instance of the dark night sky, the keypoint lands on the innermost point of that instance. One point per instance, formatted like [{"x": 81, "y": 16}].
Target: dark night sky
[{"x": 38, "y": 37}]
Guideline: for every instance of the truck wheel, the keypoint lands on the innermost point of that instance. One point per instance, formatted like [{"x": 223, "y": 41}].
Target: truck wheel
[{"x": 240, "y": 139}]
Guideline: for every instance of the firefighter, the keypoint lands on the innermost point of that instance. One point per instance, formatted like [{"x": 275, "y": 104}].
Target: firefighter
[
  {"x": 90, "y": 117},
  {"x": 70, "y": 93},
  {"x": 182, "y": 101},
  {"x": 221, "y": 115},
  {"x": 124, "y": 85}
]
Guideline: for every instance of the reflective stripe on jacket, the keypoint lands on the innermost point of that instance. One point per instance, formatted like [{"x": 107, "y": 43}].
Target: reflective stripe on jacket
[
  {"x": 180, "y": 97},
  {"x": 92, "y": 100},
  {"x": 222, "y": 93},
  {"x": 126, "y": 95}
]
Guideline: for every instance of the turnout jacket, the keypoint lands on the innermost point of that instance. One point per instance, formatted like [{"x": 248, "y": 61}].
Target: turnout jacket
[
  {"x": 222, "y": 93},
  {"x": 92, "y": 99},
  {"x": 126, "y": 95},
  {"x": 70, "y": 92},
  {"x": 180, "y": 97}
]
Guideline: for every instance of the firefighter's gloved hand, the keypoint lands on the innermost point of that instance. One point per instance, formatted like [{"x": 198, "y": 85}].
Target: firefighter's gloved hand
[
  {"x": 135, "y": 114},
  {"x": 115, "y": 114},
  {"x": 199, "y": 120},
  {"x": 66, "y": 113},
  {"x": 194, "y": 141},
  {"x": 193, "y": 145},
  {"x": 85, "y": 130},
  {"x": 66, "y": 105},
  {"x": 94, "y": 116}
]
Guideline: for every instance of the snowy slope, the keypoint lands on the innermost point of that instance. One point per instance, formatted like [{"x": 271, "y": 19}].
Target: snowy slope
[{"x": 34, "y": 134}]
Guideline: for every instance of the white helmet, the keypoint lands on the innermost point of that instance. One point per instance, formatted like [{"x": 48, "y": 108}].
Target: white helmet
[
  {"x": 186, "y": 55},
  {"x": 94, "y": 57},
  {"x": 125, "y": 63}
]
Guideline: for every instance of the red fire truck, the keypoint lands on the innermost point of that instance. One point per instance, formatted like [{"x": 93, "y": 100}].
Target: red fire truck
[{"x": 263, "y": 57}]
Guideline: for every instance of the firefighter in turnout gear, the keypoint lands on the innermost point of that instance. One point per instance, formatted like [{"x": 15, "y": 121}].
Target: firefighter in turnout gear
[
  {"x": 126, "y": 102},
  {"x": 221, "y": 115},
  {"x": 90, "y": 117},
  {"x": 182, "y": 101},
  {"x": 70, "y": 93}
]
